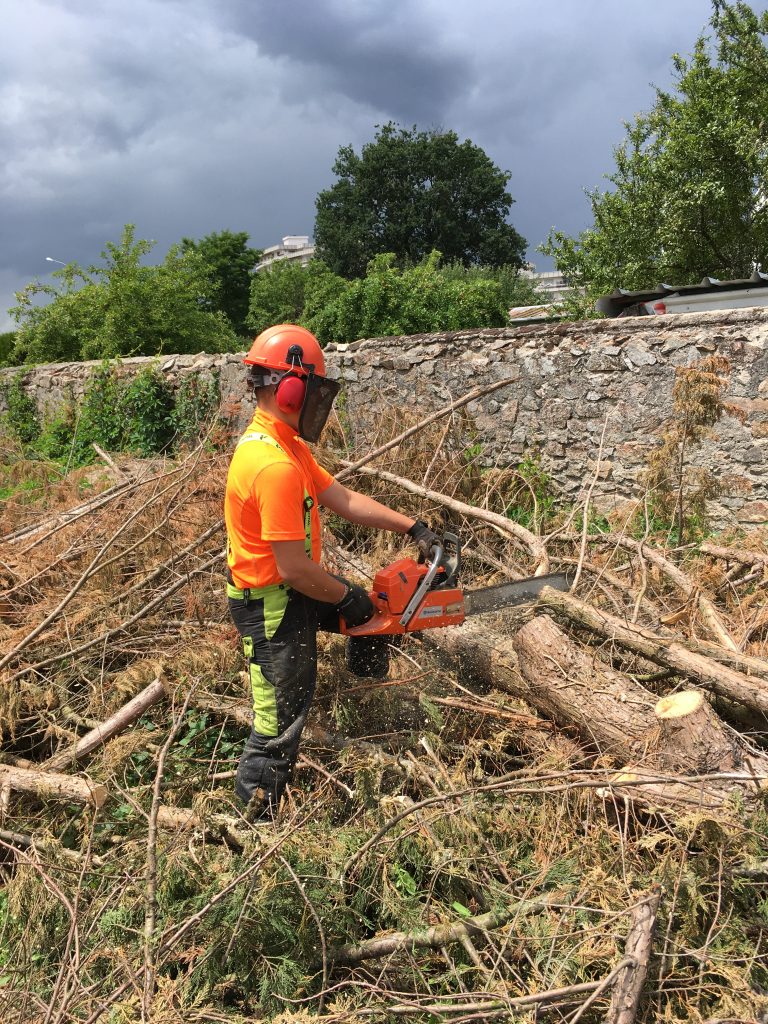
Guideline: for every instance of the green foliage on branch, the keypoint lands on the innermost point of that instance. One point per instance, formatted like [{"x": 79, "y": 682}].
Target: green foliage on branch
[
  {"x": 409, "y": 192},
  {"x": 287, "y": 293},
  {"x": 390, "y": 299},
  {"x": 689, "y": 188},
  {"x": 230, "y": 262},
  {"x": 122, "y": 307}
]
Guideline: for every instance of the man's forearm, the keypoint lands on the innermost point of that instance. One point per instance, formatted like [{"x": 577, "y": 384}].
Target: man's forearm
[
  {"x": 313, "y": 581},
  {"x": 359, "y": 508}
]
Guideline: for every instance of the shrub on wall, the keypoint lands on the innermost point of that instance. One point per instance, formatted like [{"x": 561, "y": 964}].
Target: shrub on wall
[{"x": 138, "y": 414}]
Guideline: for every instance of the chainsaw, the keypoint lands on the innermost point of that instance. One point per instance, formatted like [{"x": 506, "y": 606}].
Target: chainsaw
[{"x": 410, "y": 596}]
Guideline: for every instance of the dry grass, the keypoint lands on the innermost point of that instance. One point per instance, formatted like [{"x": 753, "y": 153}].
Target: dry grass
[{"x": 242, "y": 919}]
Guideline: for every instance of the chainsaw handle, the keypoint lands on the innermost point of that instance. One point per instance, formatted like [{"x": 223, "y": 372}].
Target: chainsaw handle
[{"x": 418, "y": 595}]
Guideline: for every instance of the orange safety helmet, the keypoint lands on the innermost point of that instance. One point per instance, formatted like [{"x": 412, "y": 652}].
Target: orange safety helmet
[
  {"x": 287, "y": 347},
  {"x": 290, "y": 357}
]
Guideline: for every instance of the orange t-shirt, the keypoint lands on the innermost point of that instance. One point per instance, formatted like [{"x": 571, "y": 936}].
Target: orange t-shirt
[{"x": 264, "y": 500}]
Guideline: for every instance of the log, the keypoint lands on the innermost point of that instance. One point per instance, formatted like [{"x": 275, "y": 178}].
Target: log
[
  {"x": 628, "y": 986},
  {"x": 53, "y": 786},
  {"x": 575, "y": 689},
  {"x": 113, "y": 726},
  {"x": 714, "y": 676},
  {"x": 423, "y": 938},
  {"x": 734, "y": 555},
  {"x": 549, "y": 672}
]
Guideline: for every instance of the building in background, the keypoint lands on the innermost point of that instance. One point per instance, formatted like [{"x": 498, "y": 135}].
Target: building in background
[
  {"x": 551, "y": 283},
  {"x": 293, "y": 247}
]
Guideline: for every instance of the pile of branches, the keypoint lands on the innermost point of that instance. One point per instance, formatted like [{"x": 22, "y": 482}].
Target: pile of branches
[{"x": 557, "y": 812}]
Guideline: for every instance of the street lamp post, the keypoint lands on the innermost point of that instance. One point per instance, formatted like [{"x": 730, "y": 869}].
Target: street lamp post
[{"x": 52, "y": 260}]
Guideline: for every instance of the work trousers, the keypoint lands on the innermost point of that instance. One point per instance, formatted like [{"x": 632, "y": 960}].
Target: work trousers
[{"x": 279, "y": 634}]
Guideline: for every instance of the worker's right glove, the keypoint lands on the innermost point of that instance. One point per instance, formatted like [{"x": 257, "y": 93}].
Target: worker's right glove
[
  {"x": 424, "y": 538},
  {"x": 355, "y": 607}
]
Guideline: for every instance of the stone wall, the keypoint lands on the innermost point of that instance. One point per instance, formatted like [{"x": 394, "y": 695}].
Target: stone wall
[{"x": 567, "y": 384}]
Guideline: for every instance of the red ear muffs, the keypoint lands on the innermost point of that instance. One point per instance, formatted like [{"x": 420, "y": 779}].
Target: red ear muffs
[{"x": 290, "y": 394}]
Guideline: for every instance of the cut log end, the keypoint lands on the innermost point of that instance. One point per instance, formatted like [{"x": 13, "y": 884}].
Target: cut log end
[
  {"x": 678, "y": 705},
  {"x": 691, "y": 737}
]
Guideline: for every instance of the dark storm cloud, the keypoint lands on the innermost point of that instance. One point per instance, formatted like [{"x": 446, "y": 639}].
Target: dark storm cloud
[
  {"x": 384, "y": 53},
  {"x": 190, "y": 116}
]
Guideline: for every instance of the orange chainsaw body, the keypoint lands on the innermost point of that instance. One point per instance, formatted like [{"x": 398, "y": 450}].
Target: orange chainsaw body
[{"x": 393, "y": 588}]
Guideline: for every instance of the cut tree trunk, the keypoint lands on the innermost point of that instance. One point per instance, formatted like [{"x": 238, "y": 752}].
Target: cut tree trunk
[
  {"x": 53, "y": 786},
  {"x": 610, "y": 712},
  {"x": 719, "y": 678},
  {"x": 691, "y": 737}
]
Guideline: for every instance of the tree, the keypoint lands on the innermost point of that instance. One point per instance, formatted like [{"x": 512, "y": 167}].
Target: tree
[
  {"x": 280, "y": 293},
  {"x": 123, "y": 307},
  {"x": 412, "y": 300},
  {"x": 689, "y": 189},
  {"x": 410, "y": 192},
  {"x": 231, "y": 262}
]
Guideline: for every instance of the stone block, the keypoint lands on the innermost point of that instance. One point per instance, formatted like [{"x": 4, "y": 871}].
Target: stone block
[
  {"x": 639, "y": 355},
  {"x": 752, "y": 456},
  {"x": 603, "y": 469},
  {"x": 598, "y": 362},
  {"x": 754, "y": 512},
  {"x": 509, "y": 411}
]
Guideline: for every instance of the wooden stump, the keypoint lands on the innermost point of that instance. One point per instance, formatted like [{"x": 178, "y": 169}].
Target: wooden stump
[{"x": 691, "y": 738}]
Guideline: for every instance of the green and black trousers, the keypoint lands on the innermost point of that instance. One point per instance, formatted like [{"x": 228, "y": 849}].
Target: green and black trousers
[{"x": 278, "y": 627}]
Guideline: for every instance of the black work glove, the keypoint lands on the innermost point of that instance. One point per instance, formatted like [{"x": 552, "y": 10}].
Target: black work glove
[
  {"x": 424, "y": 538},
  {"x": 355, "y": 607}
]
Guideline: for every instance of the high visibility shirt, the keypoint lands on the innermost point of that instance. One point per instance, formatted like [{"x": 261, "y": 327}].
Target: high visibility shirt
[{"x": 271, "y": 495}]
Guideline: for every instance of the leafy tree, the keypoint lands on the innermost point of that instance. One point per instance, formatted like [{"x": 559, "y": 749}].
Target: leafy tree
[
  {"x": 231, "y": 262},
  {"x": 7, "y": 341},
  {"x": 280, "y": 293},
  {"x": 410, "y": 192},
  {"x": 124, "y": 307},
  {"x": 689, "y": 189},
  {"x": 412, "y": 300}
]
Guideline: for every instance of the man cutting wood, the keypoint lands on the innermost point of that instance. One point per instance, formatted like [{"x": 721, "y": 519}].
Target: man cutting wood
[{"x": 279, "y": 595}]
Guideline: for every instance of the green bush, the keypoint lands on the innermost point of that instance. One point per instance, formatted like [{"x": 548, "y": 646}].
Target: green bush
[
  {"x": 120, "y": 413},
  {"x": 7, "y": 343},
  {"x": 417, "y": 299},
  {"x": 21, "y": 420}
]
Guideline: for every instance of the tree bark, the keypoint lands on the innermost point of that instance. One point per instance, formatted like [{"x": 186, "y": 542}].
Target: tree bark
[
  {"x": 628, "y": 987},
  {"x": 691, "y": 737},
  {"x": 719, "y": 678},
  {"x": 114, "y": 725},
  {"x": 53, "y": 786},
  {"x": 575, "y": 689}
]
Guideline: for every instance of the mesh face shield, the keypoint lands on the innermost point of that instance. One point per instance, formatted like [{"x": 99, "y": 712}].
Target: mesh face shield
[{"x": 318, "y": 403}]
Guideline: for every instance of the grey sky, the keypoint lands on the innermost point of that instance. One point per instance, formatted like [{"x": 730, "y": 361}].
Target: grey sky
[{"x": 191, "y": 117}]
